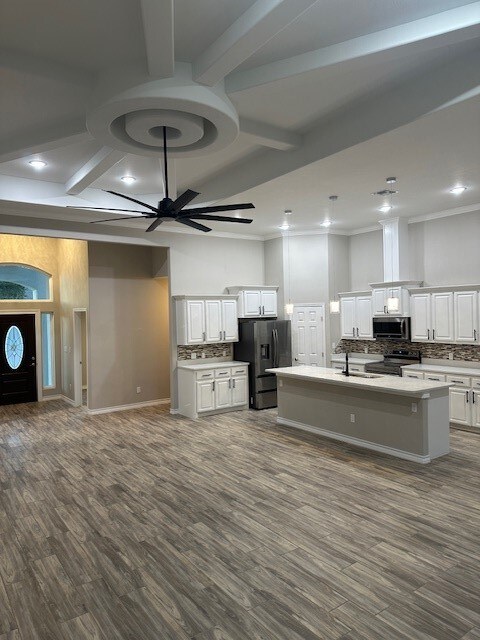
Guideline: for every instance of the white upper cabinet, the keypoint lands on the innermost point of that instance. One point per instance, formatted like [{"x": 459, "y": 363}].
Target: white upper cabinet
[
  {"x": 347, "y": 317},
  {"x": 269, "y": 303},
  {"x": 363, "y": 315},
  {"x": 356, "y": 317},
  {"x": 206, "y": 321},
  {"x": 229, "y": 321},
  {"x": 195, "y": 322},
  {"x": 213, "y": 320},
  {"x": 252, "y": 304},
  {"x": 381, "y": 297},
  {"x": 256, "y": 302},
  {"x": 466, "y": 316},
  {"x": 421, "y": 317},
  {"x": 442, "y": 317}
]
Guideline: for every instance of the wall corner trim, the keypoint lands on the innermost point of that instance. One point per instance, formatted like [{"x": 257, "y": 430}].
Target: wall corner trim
[
  {"x": 67, "y": 400},
  {"x": 126, "y": 407}
]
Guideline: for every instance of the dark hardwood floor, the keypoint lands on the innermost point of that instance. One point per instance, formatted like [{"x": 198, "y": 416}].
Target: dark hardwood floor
[{"x": 141, "y": 525}]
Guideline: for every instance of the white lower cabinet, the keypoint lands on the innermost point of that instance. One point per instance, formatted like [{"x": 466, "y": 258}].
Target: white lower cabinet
[
  {"x": 464, "y": 396},
  {"x": 218, "y": 389}
]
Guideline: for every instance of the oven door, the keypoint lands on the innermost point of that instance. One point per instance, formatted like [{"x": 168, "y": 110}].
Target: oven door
[{"x": 394, "y": 328}]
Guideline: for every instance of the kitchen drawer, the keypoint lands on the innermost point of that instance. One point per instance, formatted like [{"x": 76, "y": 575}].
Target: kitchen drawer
[
  {"x": 418, "y": 375},
  {"x": 338, "y": 365},
  {"x": 205, "y": 375},
  {"x": 223, "y": 373},
  {"x": 476, "y": 383},
  {"x": 239, "y": 371},
  {"x": 436, "y": 377},
  {"x": 459, "y": 381},
  {"x": 356, "y": 367}
]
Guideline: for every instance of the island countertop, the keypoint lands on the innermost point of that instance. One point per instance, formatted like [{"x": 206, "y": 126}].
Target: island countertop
[{"x": 382, "y": 384}]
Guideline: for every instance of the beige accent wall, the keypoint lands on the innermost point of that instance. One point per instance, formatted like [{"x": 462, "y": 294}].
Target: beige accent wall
[
  {"x": 128, "y": 327},
  {"x": 73, "y": 285}
]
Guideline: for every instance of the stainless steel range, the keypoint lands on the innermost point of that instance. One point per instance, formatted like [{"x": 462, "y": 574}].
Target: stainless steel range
[{"x": 393, "y": 362}]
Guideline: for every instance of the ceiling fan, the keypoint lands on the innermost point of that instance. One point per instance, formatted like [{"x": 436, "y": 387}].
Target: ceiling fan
[{"x": 169, "y": 209}]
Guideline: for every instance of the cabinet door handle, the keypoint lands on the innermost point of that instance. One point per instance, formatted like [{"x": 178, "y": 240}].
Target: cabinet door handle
[
  {"x": 263, "y": 310},
  {"x": 473, "y": 397},
  {"x": 220, "y": 336},
  {"x": 213, "y": 385},
  {"x": 259, "y": 311},
  {"x": 229, "y": 383},
  {"x": 204, "y": 335},
  {"x": 467, "y": 395},
  {"x": 428, "y": 334},
  {"x": 433, "y": 332},
  {"x": 385, "y": 309},
  {"x": 475, "y": 335},
  {"x": 457, "y": 381},
  {"x": 234, "y": 383},
  {"x": 224, "y": 335}
]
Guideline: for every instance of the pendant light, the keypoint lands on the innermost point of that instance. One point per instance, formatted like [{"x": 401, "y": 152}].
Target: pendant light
[
  {"x": 289, "y": 304},
  {"x": 334, "y": 302},
  {"x": 393, "y": 302}
]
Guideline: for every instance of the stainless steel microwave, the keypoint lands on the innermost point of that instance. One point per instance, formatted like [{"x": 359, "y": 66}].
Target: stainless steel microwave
[{"x": 393, "y": 328}]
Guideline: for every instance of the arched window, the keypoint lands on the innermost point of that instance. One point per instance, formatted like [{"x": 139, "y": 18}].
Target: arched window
[{"x": 21, "y": 282}]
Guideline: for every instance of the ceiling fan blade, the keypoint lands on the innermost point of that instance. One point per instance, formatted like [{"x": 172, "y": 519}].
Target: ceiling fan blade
[
  {"x": 200, "y": 216},
  {"x": 155, "y": 224},
  {"x": 146, "y": 213},
  {"x": 183, "y": 200},
  {"x": 143, "y": 204},
  {"x": 194, "y": 225},
  {"x": 220, "y": 207},
  {"x": 118, "y": 219}
]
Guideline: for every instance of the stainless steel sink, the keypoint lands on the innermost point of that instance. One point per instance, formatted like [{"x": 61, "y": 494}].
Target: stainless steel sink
[{"x": 357, "y": 374}]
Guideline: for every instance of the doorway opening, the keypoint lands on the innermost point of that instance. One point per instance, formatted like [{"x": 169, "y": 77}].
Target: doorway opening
[
  {"x": 308, "y": 334},
  {"x": 80, "y": 368}
]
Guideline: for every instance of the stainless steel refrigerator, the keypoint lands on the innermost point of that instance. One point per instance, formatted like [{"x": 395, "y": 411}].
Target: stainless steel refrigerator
[{"x": 265, "y": 344}]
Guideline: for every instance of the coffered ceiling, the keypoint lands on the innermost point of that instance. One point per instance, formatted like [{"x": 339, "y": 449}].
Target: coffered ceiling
[{"x": 288, "y": 101}]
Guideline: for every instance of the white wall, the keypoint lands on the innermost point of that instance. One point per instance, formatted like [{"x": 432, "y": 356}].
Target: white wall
[
  {"x": 274, "y": 266},
  {"x": 446, "y": 250},
  {"x": 366, "y": 259}
]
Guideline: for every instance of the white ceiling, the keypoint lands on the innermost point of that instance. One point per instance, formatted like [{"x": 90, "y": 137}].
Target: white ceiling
[{"x": 52, "y": 52}]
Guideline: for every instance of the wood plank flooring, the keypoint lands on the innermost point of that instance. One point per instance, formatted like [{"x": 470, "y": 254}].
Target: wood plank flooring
[{"x": 146, "y": 526}]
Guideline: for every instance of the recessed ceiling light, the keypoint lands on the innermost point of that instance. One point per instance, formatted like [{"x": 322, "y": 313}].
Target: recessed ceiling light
[
  {"x": 284, "y": 226},
  {"x": 38, "y": 164},
  {"x": 386, "y": 208},
  {"x": 326, "y": 223},
  {"x": 458, "y": 190},
  {"x": 128, "y": 179}
]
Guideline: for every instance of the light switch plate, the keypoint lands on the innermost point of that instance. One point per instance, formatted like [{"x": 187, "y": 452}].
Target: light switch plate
[{"x": 193, "y": 356}]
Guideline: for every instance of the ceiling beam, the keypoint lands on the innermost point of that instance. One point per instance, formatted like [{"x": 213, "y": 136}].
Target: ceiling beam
[
  {"x": 93, "y": 169},
  {"x": 441, "y": 29},
  {"x": 269, "y": 136},
  {"x": 158, "y": 31},
  {"x": 261, "y": 22},
  {"x": 431, "y": 89},
  {"x": 34, "y": 142}
]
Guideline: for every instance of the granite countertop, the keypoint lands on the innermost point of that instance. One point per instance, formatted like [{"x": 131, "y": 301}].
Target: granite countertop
[
  {"x": 198, "y": 366},
  {"x": 383, "y": 384},
  {"x": 449, "y": 370},
  {"x": 353, "y": 359}
]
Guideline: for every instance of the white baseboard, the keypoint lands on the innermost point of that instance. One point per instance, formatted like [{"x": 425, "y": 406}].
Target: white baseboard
[
  {"x": 174, "y": 412},
  {"x": 126, "y": 407},
  {"x": 365, "y": 444},
  {"x": 57, "y": 396},
  {"x": 68, "y": 400},
  {"x": 84, "y": 387}
]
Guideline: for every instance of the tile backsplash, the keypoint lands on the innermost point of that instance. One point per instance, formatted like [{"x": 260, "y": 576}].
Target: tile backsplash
[
  {"x": 214, "y": 350},
  {"x": 440, "y": 351}
]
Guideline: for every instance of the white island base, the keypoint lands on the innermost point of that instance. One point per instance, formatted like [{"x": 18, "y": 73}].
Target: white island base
[{"x": 398, "y": 416}]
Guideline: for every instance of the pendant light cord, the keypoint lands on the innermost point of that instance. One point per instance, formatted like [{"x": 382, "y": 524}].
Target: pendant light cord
[{"x": 165, "y": 164}]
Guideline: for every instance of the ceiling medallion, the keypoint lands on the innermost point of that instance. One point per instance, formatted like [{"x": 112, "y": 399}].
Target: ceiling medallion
[{"x": 130, "y": 110}]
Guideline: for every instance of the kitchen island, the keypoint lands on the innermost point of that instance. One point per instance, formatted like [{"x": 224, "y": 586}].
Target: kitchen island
[{"x": 402, "y": 417}]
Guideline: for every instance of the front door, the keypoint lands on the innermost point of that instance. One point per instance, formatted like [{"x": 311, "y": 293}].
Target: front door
[
  {"x": 307, "y": 330},
  {"x": 18, "y": 377}
]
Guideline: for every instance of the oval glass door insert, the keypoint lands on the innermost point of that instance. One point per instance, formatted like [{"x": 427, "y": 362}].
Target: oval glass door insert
[{"x": 14, "y": 347}]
